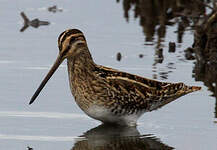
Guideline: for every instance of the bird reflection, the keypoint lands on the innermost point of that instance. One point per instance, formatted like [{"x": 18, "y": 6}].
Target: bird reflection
[
  {"x": 106, "y": 137},
  {"x": 33, "y": 23}
]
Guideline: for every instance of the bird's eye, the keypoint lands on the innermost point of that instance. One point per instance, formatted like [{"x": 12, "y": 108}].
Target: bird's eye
[
  {"x": 80, "y": 44},
  {"x": 72, "y": 40}
]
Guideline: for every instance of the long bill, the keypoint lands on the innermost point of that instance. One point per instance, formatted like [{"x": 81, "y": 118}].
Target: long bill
[{"x": 48, "y": 76}]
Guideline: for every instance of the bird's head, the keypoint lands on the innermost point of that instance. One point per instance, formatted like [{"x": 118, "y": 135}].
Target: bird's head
[{"x": 71, "y": 43}]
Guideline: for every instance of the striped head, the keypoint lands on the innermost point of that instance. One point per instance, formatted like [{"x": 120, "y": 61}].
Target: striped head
[{"x": 71, "y": 43}]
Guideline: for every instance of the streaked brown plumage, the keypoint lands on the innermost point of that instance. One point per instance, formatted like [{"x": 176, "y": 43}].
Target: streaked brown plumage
[{"x": 106, "y": 94}]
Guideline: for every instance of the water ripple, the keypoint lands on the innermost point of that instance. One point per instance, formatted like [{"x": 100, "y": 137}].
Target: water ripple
[
  {"x": 39, "y": 138},
  {"x": 54, "y": 115}
]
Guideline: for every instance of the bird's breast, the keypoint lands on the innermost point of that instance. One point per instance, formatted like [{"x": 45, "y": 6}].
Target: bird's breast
[{"x": 105, "y": 115}]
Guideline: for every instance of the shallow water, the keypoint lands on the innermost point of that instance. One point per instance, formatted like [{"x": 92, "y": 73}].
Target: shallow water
[{"x": 54, "y": 121}]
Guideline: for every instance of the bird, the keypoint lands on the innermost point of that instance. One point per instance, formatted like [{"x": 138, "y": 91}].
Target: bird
[{"x": 106, "y": 94}]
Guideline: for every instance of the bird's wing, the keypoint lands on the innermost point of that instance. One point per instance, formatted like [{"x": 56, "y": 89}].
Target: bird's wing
[{"x": 135, "y": 91}]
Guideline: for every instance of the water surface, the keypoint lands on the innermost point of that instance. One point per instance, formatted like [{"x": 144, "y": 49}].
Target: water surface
[{"x": 54, "y": 121}]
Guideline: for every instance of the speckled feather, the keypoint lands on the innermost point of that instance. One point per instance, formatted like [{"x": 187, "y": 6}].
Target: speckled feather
[{"x": 126, "y": 93}]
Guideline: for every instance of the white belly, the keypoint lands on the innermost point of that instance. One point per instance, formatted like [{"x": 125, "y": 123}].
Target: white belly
[{"x": 106, "y": 116}]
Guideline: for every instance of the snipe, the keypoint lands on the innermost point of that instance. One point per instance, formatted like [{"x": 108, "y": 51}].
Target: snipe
[{"x": 106, "y": 94}]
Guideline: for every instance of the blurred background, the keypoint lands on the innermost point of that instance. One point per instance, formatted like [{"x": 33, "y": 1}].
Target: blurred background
[{"x": 166, "y": 40}]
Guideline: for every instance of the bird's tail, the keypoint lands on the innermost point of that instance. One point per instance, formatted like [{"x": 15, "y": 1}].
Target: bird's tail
[
  {"x": 174, "y": 91},
  {"x": 189, "y": 89}
]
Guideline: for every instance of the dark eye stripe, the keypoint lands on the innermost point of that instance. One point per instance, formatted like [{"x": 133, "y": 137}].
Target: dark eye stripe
[
  {"x": 73, "y": 38},
  {"x": 64, "y": 52}
]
